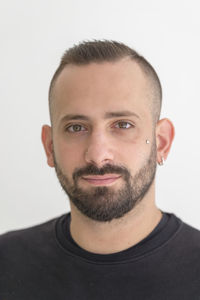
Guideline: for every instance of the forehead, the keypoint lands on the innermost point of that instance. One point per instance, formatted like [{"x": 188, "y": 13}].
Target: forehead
[{"x": 97, "y": 88}]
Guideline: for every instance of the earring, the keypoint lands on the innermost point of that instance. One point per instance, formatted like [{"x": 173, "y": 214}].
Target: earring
[
  {"x": 147, "y": 142},
  {"x": 161, "y": 163}
]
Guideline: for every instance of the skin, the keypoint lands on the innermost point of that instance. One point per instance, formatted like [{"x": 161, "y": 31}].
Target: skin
[{"x": 93, "y": 90}]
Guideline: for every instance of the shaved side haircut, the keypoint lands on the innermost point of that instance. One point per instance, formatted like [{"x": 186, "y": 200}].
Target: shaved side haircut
[{"x": 99, "y": 51}]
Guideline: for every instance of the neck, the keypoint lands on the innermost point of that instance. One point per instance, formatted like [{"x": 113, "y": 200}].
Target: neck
[{"x": 119, "y": 234}]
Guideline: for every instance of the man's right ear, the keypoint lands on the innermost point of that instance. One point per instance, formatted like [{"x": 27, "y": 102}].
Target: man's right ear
[{"x": 47, "y": 141}]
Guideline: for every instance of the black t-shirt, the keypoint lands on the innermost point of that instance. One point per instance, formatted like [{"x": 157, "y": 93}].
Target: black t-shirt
[{"x": 44, "y": 263}]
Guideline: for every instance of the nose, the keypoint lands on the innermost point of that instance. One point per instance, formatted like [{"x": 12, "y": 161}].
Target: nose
[{"x": 99, "y": 150}]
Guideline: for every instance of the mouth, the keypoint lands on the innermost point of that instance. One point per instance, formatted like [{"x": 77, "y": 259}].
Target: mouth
[{"x": 101, "y": 180}]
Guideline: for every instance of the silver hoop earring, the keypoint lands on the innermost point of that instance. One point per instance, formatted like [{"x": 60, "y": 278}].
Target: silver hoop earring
[
  {"x": 147, "y": 142},
  {"x": 161, "y": 163}
]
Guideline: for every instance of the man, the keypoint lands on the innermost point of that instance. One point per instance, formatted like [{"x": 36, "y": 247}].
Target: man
[{"x": 105, "y": 141}]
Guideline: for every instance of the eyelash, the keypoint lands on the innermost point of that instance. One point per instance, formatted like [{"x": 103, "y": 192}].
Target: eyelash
[{"x": 70, "y": 126}]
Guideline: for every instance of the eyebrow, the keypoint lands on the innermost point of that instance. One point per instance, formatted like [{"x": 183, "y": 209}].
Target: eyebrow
[{"x": 108, "y": 115}]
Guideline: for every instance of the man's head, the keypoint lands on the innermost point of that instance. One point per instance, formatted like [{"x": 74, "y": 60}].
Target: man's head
[{"x": 105, "y": 104}]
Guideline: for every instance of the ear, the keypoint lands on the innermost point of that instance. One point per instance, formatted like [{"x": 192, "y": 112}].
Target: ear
[
  {"x": 47, "y": 141},
  {"x": 164, "y": 137}
]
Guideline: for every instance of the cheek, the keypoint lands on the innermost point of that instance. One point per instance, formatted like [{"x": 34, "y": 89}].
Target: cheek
[
  {"x": 67, "y": 156},
  {"x": 133, "y": 156}
]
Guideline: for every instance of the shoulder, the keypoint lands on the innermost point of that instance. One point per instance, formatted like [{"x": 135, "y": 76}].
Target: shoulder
[
  {"x": 192, "y": 233},
  {"x": 187, "y": 239},
  {"x": 27, "y": 253},
  {"x": 20, "y": 241}
]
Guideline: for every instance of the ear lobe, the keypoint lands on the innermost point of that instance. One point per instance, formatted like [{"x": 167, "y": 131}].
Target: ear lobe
[
  {"x": 164, "y": 137},
  {"x": 47, "y": 141}
]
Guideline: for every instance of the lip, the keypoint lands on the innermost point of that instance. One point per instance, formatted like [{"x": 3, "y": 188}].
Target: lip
[{"x": 101, "y": 180}]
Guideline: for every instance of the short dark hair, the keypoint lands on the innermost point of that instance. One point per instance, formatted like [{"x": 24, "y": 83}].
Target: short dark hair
[{"x": 109, "y": 51}]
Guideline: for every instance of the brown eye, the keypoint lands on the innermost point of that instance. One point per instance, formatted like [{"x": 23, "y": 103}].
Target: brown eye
[{"x": 123, "y": 125}]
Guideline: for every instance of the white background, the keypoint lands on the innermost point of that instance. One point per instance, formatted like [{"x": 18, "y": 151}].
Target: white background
[{"x": 34, "y": 35}]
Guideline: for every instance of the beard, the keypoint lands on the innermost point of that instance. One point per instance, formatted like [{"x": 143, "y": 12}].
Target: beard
[{"x": 105, "y": 203}]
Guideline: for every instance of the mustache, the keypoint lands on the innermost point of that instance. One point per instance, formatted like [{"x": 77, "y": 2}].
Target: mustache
[{"x": 106, "y": 169}]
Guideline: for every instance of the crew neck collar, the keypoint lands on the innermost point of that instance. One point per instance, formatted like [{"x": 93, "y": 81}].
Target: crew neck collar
[{"x": 161, "y": 234}]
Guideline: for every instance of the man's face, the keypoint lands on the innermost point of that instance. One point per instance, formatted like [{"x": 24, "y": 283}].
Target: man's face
[{"x": 101, "y": 122}]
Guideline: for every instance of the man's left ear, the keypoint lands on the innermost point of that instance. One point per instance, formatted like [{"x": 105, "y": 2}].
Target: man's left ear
[{"x": 164, "y": 137}]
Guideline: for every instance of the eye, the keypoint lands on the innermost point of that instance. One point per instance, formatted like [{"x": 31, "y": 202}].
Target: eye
[
  {"x": 75, "y": 128},
  {"x": 123, "y": 125}
]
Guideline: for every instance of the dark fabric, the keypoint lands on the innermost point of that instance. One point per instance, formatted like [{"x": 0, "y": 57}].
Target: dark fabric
[{"x": 44, "y": 263}]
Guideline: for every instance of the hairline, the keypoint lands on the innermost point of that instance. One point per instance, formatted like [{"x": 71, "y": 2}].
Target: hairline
[{"x": 153, "y": 83}]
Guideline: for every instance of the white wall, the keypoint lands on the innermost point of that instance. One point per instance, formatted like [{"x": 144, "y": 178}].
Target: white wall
[{"x": 34, "y": 35}]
